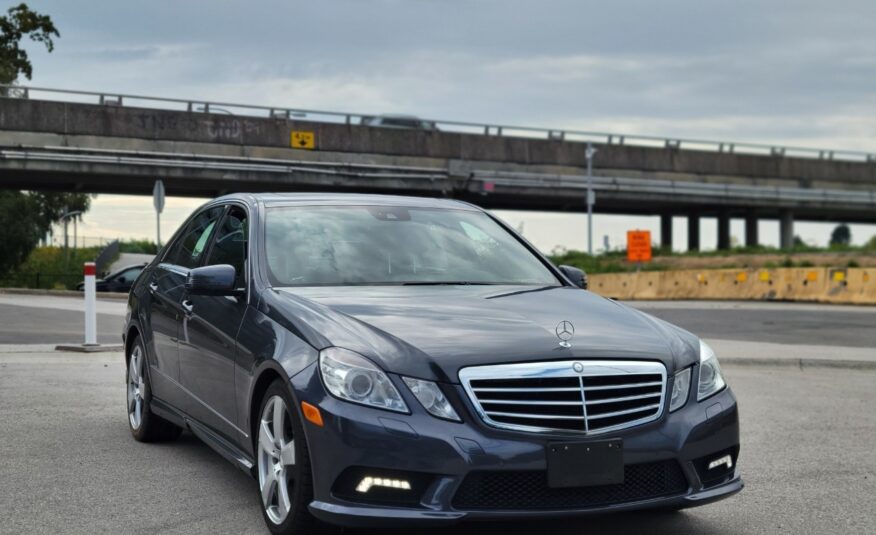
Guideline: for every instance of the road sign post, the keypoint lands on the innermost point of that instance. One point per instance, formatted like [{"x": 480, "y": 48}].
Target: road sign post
[
  {"x": 591, "y": 198},
  {"x": 158, "y": 202}
]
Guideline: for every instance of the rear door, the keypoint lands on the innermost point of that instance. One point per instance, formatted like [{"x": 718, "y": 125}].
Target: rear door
[
  {"x": 209, "y": 331},
  {"x": 167, "y": 289}
]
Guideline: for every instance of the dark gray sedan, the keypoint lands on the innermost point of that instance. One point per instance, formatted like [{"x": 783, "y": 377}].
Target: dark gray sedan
[{"x": 378, "y": 360}]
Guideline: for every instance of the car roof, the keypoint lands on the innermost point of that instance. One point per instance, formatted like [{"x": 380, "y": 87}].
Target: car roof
[{"x": 348, "y": 199}]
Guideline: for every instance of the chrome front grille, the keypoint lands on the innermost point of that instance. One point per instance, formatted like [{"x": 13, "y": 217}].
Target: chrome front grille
[{"x": 583, "y": 396}]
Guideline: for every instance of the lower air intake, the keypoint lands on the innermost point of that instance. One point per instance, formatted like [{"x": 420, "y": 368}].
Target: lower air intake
[{"x": 528, "y": 490}]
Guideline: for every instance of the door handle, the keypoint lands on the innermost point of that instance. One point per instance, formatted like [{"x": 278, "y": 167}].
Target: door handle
[
  {"x": 153, "y": 287},
  {"x": 188, "y": 306}
]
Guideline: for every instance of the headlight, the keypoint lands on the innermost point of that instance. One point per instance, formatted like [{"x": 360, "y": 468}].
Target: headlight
[
  {"x": 432, "y": 398},
  {"x": 352, "y": 377},
  {"x": 711, "y": 380},
  {"x": 680, "y": 390}
]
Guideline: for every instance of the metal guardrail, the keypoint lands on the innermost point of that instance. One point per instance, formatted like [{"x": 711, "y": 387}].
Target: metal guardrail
[
  {"x": 607, "y": 138},
  {"x": 371, "y": 171},
  {"x": 681, "y": 188},
  {"x": 223, "y": 163}
]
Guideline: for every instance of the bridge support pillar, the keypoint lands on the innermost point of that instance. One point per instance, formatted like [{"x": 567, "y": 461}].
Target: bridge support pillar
[
  {"x": 751, "y": 237},
  {"x": 786, "y": 230},
  {"x": 723, "y": 231},
  {"x": 693, "y": 232},
  {"x": 666, "y": 232}
]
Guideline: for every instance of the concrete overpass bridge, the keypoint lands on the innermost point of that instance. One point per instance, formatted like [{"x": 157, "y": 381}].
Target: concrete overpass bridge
[{"x": 93, "y": 142}]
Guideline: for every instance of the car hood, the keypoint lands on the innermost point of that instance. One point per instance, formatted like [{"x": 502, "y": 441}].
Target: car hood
[{"x": 432, "y": 332}]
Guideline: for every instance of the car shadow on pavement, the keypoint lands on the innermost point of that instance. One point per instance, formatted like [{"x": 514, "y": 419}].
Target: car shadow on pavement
[{"x": 634, "y": 523}]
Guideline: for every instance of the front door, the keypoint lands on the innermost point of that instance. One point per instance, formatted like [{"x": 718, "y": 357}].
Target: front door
[
  {"x": 209, "y": 332},
  {"x": 167, "y": 291}
]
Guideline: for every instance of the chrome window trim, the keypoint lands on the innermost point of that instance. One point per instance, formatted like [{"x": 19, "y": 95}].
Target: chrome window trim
[{"x": 562, "y": 369}]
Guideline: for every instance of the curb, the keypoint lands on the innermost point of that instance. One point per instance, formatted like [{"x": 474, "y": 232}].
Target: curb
[
  {"x": 800, "y": 363},
  {"x": 61, "y": 293},
  {"x": 85, "y": 348}
]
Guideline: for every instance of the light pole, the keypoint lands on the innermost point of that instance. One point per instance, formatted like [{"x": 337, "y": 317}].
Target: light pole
[
  {"x": 65, "y": 219},
  {"x": 591, "y": 197}
]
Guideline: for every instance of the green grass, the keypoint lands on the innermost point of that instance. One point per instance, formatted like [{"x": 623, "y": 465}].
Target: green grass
[
  {"x": 52, "y": 268},
  {"x": 615, "y": 261}
]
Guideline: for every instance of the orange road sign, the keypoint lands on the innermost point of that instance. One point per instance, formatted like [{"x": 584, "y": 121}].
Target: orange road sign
[{"x": 639, "y": 245}]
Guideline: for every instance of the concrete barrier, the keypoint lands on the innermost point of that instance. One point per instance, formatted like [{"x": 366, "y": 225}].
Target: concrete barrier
[{"x": 826, "y": 285}]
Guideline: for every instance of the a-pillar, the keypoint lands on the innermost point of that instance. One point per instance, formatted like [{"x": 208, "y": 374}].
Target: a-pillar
[
  {"x": 751, "y": 237},
  {"x": 723, "y": 231},
  {"x": 786, "y": 230},
  {"x": 693, "y": 232},
  {"x": 666, "y": 232}
]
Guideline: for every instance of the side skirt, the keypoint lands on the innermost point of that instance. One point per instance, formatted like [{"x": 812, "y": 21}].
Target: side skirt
[{"x": 221, "y": 446}]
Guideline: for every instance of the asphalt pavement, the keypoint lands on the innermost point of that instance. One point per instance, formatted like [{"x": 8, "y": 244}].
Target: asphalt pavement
[
  {"x": 69, "y": 464},
  {"x": 31, "y": 319}
]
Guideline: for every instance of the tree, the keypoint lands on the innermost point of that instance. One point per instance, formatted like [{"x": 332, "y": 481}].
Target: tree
[
  {"x": 19, "y": 22},
  {"x": 25, "y": 217},
  {"x": 841, "y": 235}
]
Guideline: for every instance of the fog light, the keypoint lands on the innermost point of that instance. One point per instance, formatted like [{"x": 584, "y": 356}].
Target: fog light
[
  {"x": 725, "y": 460},
  {"x": 368, "y": 482}
]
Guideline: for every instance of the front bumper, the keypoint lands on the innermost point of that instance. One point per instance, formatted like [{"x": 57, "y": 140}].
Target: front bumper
[{"x": 358, "y": 436}]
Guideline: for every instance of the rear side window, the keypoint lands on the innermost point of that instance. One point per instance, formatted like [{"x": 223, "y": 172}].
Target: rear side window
[{"x": 189, "y": 247}]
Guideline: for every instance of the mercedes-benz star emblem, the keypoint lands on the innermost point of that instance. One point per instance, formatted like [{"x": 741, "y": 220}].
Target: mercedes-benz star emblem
[{"x": 565, "y": 332}]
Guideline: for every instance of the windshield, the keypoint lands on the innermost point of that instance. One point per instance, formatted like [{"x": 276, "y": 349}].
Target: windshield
[{"x": 346, "y": 245}]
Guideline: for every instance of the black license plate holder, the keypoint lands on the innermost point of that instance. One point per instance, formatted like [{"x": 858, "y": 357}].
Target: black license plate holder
[{"x": 585, "y": 464}]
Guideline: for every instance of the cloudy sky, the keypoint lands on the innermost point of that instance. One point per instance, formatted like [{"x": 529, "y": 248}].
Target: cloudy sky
[{"x": 796, "y": 73}]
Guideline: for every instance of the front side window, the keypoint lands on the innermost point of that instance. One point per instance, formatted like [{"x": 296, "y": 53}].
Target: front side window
[
  {"x": 190, "y": 245},
  {"x": 230, "y": 244},
  {"x": 346, "y": 245}
]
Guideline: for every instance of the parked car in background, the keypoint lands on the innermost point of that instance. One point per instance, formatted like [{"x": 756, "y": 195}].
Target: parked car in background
[
  {"x": 399, "y": 121},
  {"x": 119, "y": 281},
  {"x": 378, "y": 360}
]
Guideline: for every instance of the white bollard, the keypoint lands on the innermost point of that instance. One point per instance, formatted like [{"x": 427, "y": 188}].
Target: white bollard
[{"x": 90, "y": 271}]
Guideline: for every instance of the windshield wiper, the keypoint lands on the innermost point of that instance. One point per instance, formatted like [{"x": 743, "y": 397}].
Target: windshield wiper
[{"x": 448, "y": 283}]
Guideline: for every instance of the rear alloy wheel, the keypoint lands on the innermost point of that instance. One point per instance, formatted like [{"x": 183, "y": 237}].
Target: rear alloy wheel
[
  {"x": 283, "y": 465},
  {"x": 145, "y": 426},
  {"x": 136, "y": 388}
]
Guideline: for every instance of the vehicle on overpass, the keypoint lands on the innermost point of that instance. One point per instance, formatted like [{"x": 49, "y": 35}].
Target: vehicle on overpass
[
  {"x": 398, "y": 121},
  {"x": 118, "y": 281},
  {"x": 375, "y": 360}
]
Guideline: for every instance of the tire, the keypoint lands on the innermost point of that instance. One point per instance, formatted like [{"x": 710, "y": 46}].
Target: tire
[
  {"x": 283, "y": 473},
  {"x": 144, "y": 425}
]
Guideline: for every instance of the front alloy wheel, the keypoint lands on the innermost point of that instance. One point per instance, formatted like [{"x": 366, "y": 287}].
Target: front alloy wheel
[
  {"x": 285, "y": 481},
  {"x": 276, "y": 459}
]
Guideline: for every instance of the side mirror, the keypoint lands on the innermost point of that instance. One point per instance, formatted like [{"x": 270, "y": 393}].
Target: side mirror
[
  {"x": 578, "y": 277},
  {"x": 212, "y": 280}
]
